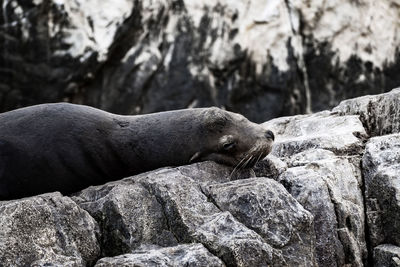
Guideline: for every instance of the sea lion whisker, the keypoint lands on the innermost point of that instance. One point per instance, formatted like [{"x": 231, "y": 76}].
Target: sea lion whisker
[
  {"x": 259, "y": 157},
  {"x": 237, "y": 167},
  {"x": 248, "y": 161}
]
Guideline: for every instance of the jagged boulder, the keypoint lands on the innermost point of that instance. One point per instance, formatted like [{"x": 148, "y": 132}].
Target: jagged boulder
[
  {"x": 381, "y": 168},
  {"x": 343, "y": 135},
  {"x": 195, "y": 255},
  {"x": 47, "y": 230},
  {"x": 386, "y": 256},
  {"x": 380, "y": 114},
  {"x": 323, "y": 152},
  {"x": 172, "y": 206},
  {"x": 264, "y": 206}
]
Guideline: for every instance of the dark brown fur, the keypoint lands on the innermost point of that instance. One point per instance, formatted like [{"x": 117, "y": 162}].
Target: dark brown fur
[{"x": 66, "y": 147}]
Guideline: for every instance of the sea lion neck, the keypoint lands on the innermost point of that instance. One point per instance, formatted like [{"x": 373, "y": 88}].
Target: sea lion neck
[{"x": 159, "y": 137}]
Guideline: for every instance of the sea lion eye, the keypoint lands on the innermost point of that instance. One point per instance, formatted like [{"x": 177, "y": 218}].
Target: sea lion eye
[{"x": 229, "y": 146}]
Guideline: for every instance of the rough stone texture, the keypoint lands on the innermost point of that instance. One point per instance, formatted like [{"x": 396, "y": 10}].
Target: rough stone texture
[
  {"x": 350, "y": 48},
  {"x": 386, "y": 256},
  {"x": 128, "y": 216},
  {"x": 311, "y": 191},
  {"x": 270, "y": 166},
  {"x": 265, "y": 206},
  {"x": 179, "y": 205},
  {"x": 330, "y": 188},
  {"x": 380, "y": 114},
  {"x": 183, "y": 255},
  {"x": 47, "y": 230},
  {"x": 339, "y": 134},
  {"x": 381, "y": 168},
  {"x": 194, "y": 218},
  {"x": 262, "y": 59},
  {"x": 322, "y": 152}
]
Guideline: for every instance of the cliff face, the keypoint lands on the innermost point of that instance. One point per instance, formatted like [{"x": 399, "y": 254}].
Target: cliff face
[
  {"x": 327, "y": 195},
  {"x": 262, "y": 59}
]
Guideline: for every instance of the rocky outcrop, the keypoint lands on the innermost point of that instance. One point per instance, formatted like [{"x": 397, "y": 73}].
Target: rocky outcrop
[
  {"x": 381, "y": 168},
  {"x": 380, "y": 114},
  {"x": 47, "y": 230},
  {"x": 322, "y": 152},
  {"x": 327, "y": 195},
  {"x": 386, "y": 256},
  {"x": 262, "y": 59},
  {"x": 183, "y": 255}
]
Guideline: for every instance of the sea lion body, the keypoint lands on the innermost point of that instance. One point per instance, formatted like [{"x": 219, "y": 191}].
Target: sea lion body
[{"x": 66, "y": 147}]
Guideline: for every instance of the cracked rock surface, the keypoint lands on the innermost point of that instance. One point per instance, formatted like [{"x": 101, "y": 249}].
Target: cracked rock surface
[
  {"x": 327, "y": 195},
  {"x": 47, "y": 230},
  {"x": 195, "y": 255},
  {"x": 381, "y": 167}
]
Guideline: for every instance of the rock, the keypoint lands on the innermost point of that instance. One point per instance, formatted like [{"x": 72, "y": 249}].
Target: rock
[
  {"x": 262, "y": 59},
  {"x": 330, "y": 188},
  {"x": 379, "y": 113},
  {"x": 266, "y": 207},
  {"x": 47, "y": 230},
  {"x": 71, "y": 40},
  {"x": 182, "y": 255},
  {"x": 270, "y": 166},
  {"x": 129, "y": 216},
  {"x": 386, "y": 255},
  {"x": 235, "y": 244},
  {"x": 323, "y": 152},
  {"x": 312, "y": 193},
  {"x": 381, "y": 167},
  {"x": 342, "y": 135},
  {"x": 345, "y": 57},
  {"x": 193, "y": 217},
  {"x": 179, "y": 205}
]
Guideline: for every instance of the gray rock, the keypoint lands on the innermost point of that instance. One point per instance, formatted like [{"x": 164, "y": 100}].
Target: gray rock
[
  {"x": 381, "y": 168},
  {"x": 266, "y": 207},
  {"x": 387, "y": 255},
  {"x": 194, "y": 255},
  {"x": 47, "y": 230},
  {"x": 235, "y": 244},
  {"x": 193, "y": 218},
  {"x": 181, "y": 205},
  {"x": 270, "y": 167},
  {"x": 330, "y": 188},
  {"x": 128, "y": 215},
  {"x": 380, "y": 114},
  {"x": 342, "y": 135},
  {"x": 312, "y": 193}
]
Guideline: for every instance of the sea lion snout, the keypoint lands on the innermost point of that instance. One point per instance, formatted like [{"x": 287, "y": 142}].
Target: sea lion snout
[{"x": 269, "y": 135}]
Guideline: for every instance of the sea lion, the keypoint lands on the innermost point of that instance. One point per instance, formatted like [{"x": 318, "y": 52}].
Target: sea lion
[{"x": 67, "y": 147}]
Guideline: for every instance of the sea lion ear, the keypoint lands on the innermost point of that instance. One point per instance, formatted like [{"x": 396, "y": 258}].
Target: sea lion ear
[{"x": 215, "y": 119}]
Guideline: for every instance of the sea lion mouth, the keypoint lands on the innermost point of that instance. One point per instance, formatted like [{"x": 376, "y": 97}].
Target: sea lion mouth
[{"x": 244, "y": 161}]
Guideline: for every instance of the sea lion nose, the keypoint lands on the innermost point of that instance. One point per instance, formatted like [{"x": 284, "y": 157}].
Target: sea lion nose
[{"x": 270, "y": 135}]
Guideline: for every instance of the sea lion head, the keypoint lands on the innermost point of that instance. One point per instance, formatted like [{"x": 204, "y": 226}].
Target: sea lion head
[{"x": 233, "y": 140}]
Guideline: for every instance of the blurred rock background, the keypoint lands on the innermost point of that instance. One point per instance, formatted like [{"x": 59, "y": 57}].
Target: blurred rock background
[{"x": 261, "y": 58}]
